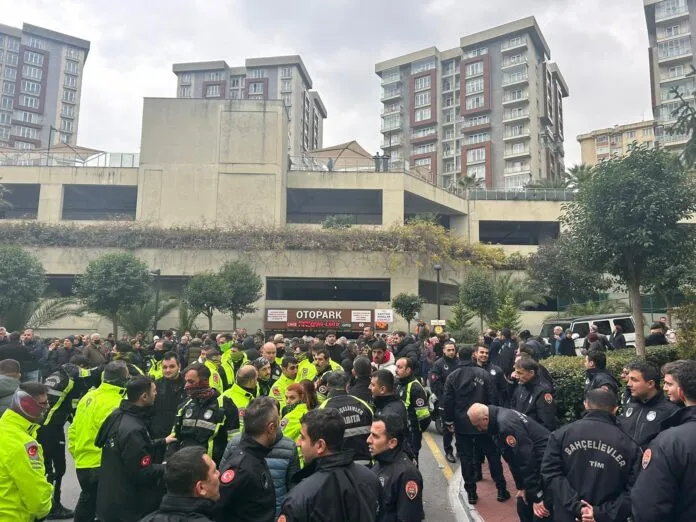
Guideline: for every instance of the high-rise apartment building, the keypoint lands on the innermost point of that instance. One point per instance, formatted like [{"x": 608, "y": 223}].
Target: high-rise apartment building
[
  {"x": 491, "y": 108},
  {"x": 41, "y": 77},
  {"x": 670, "y": 25},
  {"x": 601, "y": 144},
  {"x": 273, "y": 78}
]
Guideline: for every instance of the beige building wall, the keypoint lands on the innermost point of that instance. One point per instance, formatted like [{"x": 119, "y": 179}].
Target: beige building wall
[{"x": 603, "y": 143}]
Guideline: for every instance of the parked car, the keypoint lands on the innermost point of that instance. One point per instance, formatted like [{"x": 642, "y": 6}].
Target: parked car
[{"x": 580, "y": 327}]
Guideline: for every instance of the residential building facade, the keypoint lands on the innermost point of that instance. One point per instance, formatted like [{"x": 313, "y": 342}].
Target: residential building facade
[
  {"x": 601, "y": 144},
  {"x": 41, "y": 77},
  {"x": 491, "y": 108},
  {"x": 670, "y": 26},
  {"x": 273, "y": 78}
]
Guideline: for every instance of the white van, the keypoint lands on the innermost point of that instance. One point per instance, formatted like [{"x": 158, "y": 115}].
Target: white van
[{"x": 580, "y": 327}]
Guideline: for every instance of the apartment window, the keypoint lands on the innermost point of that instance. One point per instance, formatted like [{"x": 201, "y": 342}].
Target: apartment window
[
  {"x": 422, "y": 162},
  {"x": 602, "y": 140},
  {"x": 4, "y": 134},
  {"x": 670, "y": 31},
  {"x": 475, "y": 85},
  {"x": 604, "y": 149},
  {"x": 287, "y": 100},
  {"x": 447, "y": 85},
  {"x": 185, "y": 91},
  {"x": 235, "y": 83},
  {"x": 474, "y": 102},
  {"x": 286, "y": 85},
  {"x": 423, "y": 66},
  {"x": 474, "y": 69},
  {"x": 515, "y": 41},
  {"x": 185, "y": 78},
  {"x": 476, "y": 155},
  {"x": 36, "y": 43},
  {"x": 212, "y": 91},
  {"x": 669, "y": 8},
  {"x": 476, "y": 171},
  {"x": 647, "y": 133},
  {"x": 473, "y": 139},
  {"x": 29, "y": 101},
  {"x": 31, "y": 87},
  {"x": 71, "y": 67},
  {"x": 422, "y": 114},
  {"x": 70, "y": 81},
  {"x": 22, "y": 145},
  {"x": 33, "y": 58},
  {"x": 65, "y": 138},
  {"x": 515, "y": 130},
  {"x": 448, "y": 101},
  {"x": 10, "y": 73},
  {"x": 66, "y": 125},
  {"x": 13, "y": 44},
  {"x": 213, "y": 76},
  {"x": 286, "y": 72},
  {"x": 256, "y": 88},
  {"x": 424, "y": 149},
  {"x": 69, "y": 96},
  {"x": 5, "y": 117},
  {"x": 513, "y": 60},
  {"x": 677, "y": 47},
  {"x": 25, "y": 132},
  {"x": 68, "y": 110},
  {"x": 631, "y": 135},
  {"x": 424, "y": 132},
  {"x": 234, "y": 95},
  {"x": 392, "y": 122},
  {"x": 258, "y": 73},
  {"x": 475, "y": 52},
  {"x": 517, "y": 94},
  {"x": 676, "y": 71},
  {"x": 448, "y": 68},
  {"x": 6, "y": 102},
  {"x": 34, "y": 73},
  {"x": 73, "y": 53},
  {"x": 422, "y": 83},
  {"x": 12, "y": 59},
  {"x": 8, "y": 88},
  {"x": 422, "y": 99}
]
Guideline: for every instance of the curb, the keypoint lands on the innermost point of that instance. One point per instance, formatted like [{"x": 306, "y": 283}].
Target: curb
[{"x": 463, "y": 511}]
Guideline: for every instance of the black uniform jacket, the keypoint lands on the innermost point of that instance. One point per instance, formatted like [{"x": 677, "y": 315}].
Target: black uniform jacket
[
  {"x": 391, "y": 405},
  {"x": 334, "y": 488},
  {"x": 170, "y": 395},
  {"x": 357, "y": 415},
  {"x": 596, "y": 378},
  {"x": 642, "y": 420},
  {"x": 247, "y": 493},
  {"x": 130, "y": 482},
  {"x": 593, "y": 460},
  {"x": 179, "y": 509},
  {"x": 535, "y": 399},
  {"x": 441, "y": 369},
  {"x": 467, "y": 385},
  {"x": 501, "y": 385},
  {"x": 403, "y": 486},
  {"x": 522, "y": 442},
  {"x": 666, "y": 486}
]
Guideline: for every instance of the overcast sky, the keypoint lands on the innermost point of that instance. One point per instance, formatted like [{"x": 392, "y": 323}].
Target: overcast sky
[{"x": 599, "y": 45}]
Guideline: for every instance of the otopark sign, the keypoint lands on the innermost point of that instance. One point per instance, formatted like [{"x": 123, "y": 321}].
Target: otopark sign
[{"x": 320, "y": 319}]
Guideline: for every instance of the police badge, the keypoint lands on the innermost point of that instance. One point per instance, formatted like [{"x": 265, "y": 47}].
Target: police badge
[
  {"x": 629, "y": 412},
  {"x": 651, "y": 416},
  {"x": 188, "y": 413},
  {"x": 208, "y": 414}
]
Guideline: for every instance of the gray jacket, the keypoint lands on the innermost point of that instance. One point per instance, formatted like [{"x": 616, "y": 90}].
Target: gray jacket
[
  {"x": 283, "y": 461},
  {"x": 8, "y": 385}
]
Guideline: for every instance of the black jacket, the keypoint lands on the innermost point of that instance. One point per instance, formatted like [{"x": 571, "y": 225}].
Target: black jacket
[
  {"x": 501, "y": 385},
  {"x": 170, "y": 395},
  {"x": 20, "y": 354},
  {"x": 506, "y": 357},
  {"x": 391, "y": 405},
  {"x": 441, "y": 369},
  {"x": 38, "y": 356},
  {"x": 130, "y": 482},
  {"x": 522, "y": 442},
  {"x": 494, "y": 350},
  {"x": 247, "y": 492},
  {"x": 535, "y": 399},
  {"x": 666, "y": 486},
  {"x": 411, "y": 350},
  {"x": 642, "y": 420},
  {"x": 567, "y": 347},
  {"x": 59, "y": 357},
  {"x": 416, "y": 402},
  {"x": 334, "y": 488},
  {"x": 593, "y": 460},
  {"x": 603, "y": 341},
  {"x": 357, "y": 415},
  {"x": 465, "y": 386},
  {"x": 335, "y": 352},
  {"x": 361, "y": 389},
  {"x": 403, "y": 486},
  {"x": 182, "y": 509},
  {"x": 656, "y": 339},
  {"x": 617, "y": 341},
  {"x": 597, "y": 377}
]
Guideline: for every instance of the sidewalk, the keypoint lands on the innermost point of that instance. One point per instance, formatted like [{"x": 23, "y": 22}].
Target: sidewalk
[{"x": 489, "y": 509}]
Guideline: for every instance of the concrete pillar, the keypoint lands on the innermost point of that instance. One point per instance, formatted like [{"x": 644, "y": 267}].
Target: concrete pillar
[
  {"x": 459, "y": 226},
  {"x": 50, "y": 203},
  {"x": 392, "y": 207}
]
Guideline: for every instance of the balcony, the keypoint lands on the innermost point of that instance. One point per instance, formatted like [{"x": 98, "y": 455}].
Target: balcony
[
  {"x": 395, "y": 109},
  {"x": 667, "y": 77},
  {"x": 511, "y": 100},
  {"x": 515, "y": 116},
  {"x": 516, "y": 135},
  {"x": 508, "y": 63},
  {"x": 511, "y": 153},
  {"x": 672, "y": 140},
  {"x": 515, "y": 79},
  {"x": 674, "y": 54},
  {"x": 392, "y": 141},
  {"x": 391, "y": 79},
  {"x": 448, "y": 153},
  {"x": 666, "y": 37},
  {"x": 418, "y": 136},
  {"x": 391, "y": 126},
  {"x": 514, "y": 171},
  {"x": 513, "y": 44},
  {"x": 673, "y": 13},
  {"x": 390, "y": 94}
]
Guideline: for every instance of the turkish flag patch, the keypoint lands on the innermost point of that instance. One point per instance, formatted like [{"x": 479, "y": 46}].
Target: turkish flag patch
[
  {"x": 548, "y": 398},
  {"x": 511, "y": 441},
  {"x": 646, "y": 458},
  {"x": 227, "y": 476},
  {"x": 411, "y": 489},
  {"x": 145, "y": 461},
  {"x": 32, "y": 450}
]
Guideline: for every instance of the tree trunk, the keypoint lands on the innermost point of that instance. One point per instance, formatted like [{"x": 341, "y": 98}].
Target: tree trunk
[
  {"x": 637, "y": 310},
  {"x": 210, "y": 323},
  {"x": 234, "y": 322},
  {"x": 481, "y": 318},
  {"x": 408, "y": 323},
  {"x": 114, "y": 321}
]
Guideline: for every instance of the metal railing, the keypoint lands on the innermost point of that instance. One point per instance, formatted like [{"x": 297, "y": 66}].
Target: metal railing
[
  {"x": 665, "y": 13},
  {"x": 513, "y": 44},
  {"x": 522, "y": 194},
  {"x": 43, "y": 158},
  {"x": 310, "y": 163}
]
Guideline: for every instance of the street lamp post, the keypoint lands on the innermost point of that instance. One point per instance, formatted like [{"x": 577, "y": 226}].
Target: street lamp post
[
  {"x": 437, "y": 289},
  {"x": 51, "y": 128},
  {"x": 158, "y": 274}
]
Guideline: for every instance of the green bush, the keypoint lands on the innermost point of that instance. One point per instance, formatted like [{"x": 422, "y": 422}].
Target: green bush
[{"x": 568, "y": 374}]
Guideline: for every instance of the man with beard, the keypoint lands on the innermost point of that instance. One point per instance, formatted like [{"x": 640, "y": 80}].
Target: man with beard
[
  {"x": 170, "y": 394},
  {"x": 269, "y": 352},
  {"x": 412, "y": 393},
  {"x": 501, "y": 386},
  {"x": 206, "y": 418},
  {"x": 324, "y": 365},
  {"x": 263, "y": 367},
  {"x": 439, "y": 372},
  {"x": 333, "y": 347}
]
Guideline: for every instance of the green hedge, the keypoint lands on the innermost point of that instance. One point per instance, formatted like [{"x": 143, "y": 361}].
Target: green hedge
[{"x": 568, "y": 374}]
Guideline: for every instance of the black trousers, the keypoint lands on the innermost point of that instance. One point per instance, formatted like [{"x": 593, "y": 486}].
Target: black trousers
[
  {"x": 86, "y": 508},
  {"x": 416, "y": 440},
  {"x": 465, "y": 448},
  {"x": 52, "y": 440},
  {"x": 526, "y": 511},
  {"x": 447, "y": 438}
]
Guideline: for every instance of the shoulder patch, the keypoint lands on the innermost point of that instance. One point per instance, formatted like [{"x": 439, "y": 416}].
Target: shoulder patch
[
  {"x": 511, "y": 441},
  {"x": 275, "y": 391},
  {"x": 420, "y": 402},
  {"x": 32, "y": 449},
  {"x": 646, "y": 458},
  {"x": 411, "y": 489},
  {"x": 145, "y": 461},
  {"x": 283, "y": 423},
  {"x": 216, "y": 377},
  {"x": 227, "y": 476},
  {"x": 548, "y": 398},
  {"x": 651, "y": 416}
]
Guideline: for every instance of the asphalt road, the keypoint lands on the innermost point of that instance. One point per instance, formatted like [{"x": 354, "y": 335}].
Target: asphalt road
[{"x": 435, "y": 470}]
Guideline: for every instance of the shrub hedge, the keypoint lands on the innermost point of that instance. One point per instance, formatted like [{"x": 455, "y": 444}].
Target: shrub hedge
[{"x": 568, "y": 374}]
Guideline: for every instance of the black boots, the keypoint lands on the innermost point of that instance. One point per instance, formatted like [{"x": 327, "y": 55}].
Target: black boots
[
  {"x": 450, "y": 457},
  {"x": 472, "y": 497},
  {"x": 58, "y": 511}
]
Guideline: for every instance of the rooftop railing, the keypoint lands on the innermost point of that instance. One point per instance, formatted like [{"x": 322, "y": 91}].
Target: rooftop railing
[{"x": 78, "y": 158}]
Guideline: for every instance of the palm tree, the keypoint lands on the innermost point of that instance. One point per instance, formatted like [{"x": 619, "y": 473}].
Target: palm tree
[
  {"x": 518, "y": 290},
  {"x": 470, "y": 182},
  {"x": 44, "y": 312},
  {"x": 141, "y": 318},
  {"x": 187, "y": 318},
  {"x": 578, "y": 175}
]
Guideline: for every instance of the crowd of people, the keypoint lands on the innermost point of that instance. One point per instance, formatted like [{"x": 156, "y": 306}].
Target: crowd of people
[{"x": 239, "y": 427}]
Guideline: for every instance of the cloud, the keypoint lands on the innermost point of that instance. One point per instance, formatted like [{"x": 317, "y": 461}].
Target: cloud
[{"x": 600, "y": 47}]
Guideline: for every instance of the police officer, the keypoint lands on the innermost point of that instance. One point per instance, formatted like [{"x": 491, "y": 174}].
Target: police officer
[
  {"x": 468, "y": 385},
  {"x": 25, "y": 494},
  {"x": 522, "y": 442},
  {"x": 92, "y": 411},
  {"x": 130, "y": 481},
  {"x": 501, "y": 385},
  {"x": 439, "y": 372},
  {"x": 270, "y": 352},
  {"x": 356, "y": 413},
  {"x": 666, "y": 486},
  {"x": 386, "y": 402},
  {"x": 244, "y": 390},
  {"x": 324, "y": 365},
  {"x": 247, "y": 493},
  {"x": 205, "y": 418},
  {"x": 670, "y": 386},
  {"x": 533, "y": 395},
  {"x": 597, "y": 375},
  {"x": 643, "y": 415},
  {"x": 65, "y": 385},
  {"x": 402, "y": 482},
  {"x": 411, "y": 391},
  {"x": 289, "y": 366},
  {"x": 590, "y": 465}
]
